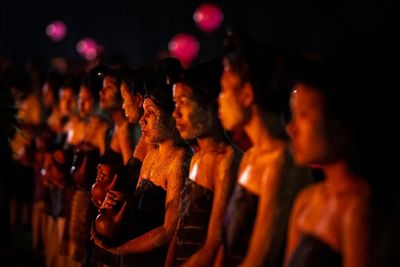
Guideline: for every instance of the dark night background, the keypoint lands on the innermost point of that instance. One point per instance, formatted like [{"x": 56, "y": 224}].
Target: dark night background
[{"x": 136, "y": 31}]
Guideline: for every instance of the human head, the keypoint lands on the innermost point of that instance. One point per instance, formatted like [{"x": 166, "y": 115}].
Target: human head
[
  {"x": 195, "y": 100},
  {"x": 157, "y": 122},
  {"x": 342, "y": 107},
  {"x": 133, "y": 91},
  {"x": 67, "y": 98},
  {"x": 110, "y": 94},
  {"x": 171, "y": 68},
  {"x": 86, "y": 99},
  {"x": 50, "y": 86},
  {"x": 254, "y": 76}
]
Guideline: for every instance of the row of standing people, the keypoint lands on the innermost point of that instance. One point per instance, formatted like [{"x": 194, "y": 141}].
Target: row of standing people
[{"x": 210, "y": 203}]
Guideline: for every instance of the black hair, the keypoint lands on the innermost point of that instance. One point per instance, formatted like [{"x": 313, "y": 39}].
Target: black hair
[
  {"x": 55, "y": 80},
  {"x": 158, "y": 86},
  {"x": 160, "y": 92},
  {"x": 100, "y": 71},
  {"x": 96, "y": 76},
  {"x": 204, "y": 79},
  {"x": 94, "y": 91},
  {"x": 140, "y": 75},
  {"x": 72, "y": 82},
  {"x": 357, "y": 82},
  {"x": 171, "y": 68},
  {"x": 264, "y": 66}
]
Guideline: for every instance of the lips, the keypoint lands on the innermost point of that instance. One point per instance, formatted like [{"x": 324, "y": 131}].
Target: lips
[{"x": 180, "y": 126}]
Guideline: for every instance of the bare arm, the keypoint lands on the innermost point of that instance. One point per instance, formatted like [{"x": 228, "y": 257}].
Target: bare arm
[
  {"x": 293, "y": 231},
  {"x": 355, "y": 235},
  {"x": 163, "y": 234},
  {"x": 169, "y": 261},
  {"x": 219, "y": 260},
  {"x": 125, "y": 142},
  {"x": 205, "y": 256},
  {"x": 100, "y": 137},
  {"x": 262, "y": 230}
]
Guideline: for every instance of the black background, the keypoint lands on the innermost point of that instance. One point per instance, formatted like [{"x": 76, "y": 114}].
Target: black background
[{"x": 137, "y": 31}]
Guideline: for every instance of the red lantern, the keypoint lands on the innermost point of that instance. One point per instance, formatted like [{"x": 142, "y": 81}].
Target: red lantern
[
  {"x": 184, "y": 47},
  {"x": 208, "y": 17},
  {"x": 88, "y": 48},
  {"x": 56, "y": 30}
]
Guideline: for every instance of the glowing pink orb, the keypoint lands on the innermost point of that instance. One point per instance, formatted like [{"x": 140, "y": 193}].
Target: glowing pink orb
[
  {"x": 56, "y": 30},
  {"x": 88, "y": 48},
  {"x": 184, "y": 47},
  {"x": 208, "y": 17}
]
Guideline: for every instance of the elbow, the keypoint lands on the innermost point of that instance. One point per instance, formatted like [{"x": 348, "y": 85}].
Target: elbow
[{"x": 164, "y": 237}]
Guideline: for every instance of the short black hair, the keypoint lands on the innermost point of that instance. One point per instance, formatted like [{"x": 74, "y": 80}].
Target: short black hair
[
  {"x": 264, "y": 66},
  {"x": 204, "y": 79}
]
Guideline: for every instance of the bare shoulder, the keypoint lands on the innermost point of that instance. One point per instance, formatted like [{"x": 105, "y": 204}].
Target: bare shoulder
[
  {"x": 224, "y": 155},
  {"x": 182, "y": 155},
  {"x": 178, "y": 167},
  {"x": 357, "y": 207},
  {"x": 306, "y": 194},
  {"x": 245, "y": 159},
  {"x": 72, "y": 122},
  {"x": 180, "y": 161},
  {"x": 226, "y": 159}
]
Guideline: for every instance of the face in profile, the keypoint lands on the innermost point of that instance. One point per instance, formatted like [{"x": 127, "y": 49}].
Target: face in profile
[
  {"x": 131, "y": 104},
  {"x": 156, "y": 125},
  {"x": 109, "y": 94},
  {"x": 67, "y": 101},
  {"x": 232, "y": 112},
  {"x": 48, "y": 95},
  {"x": 307, "y": 128},
  {"x": 192, "y": 120},
  {"x": 85, "y": 101}
]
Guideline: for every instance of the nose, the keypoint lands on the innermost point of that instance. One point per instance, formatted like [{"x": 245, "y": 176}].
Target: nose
[
  {"x": 142, "y": 121},
  {"x": 219, "y": 100},
  {"x": 290, "y": 129},
  {"x": 177, "y": 113},
  {"x": 101, "y": 93}
]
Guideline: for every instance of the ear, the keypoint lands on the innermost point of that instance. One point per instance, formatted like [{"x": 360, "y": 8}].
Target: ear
[
  {"x": 247, "y": 94},
  {"x": 139, "y": 99}
]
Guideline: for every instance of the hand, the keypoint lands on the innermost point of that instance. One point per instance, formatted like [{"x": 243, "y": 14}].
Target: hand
[{"x": 112, "y": 198}]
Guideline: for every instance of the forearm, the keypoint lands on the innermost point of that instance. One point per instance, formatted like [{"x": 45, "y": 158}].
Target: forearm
[
  {"x": 146, "y": 242},
  {"x": 260, "y": 241},
  {"x": 205, "y": 256},
  {"x": 169, "y": 261}
]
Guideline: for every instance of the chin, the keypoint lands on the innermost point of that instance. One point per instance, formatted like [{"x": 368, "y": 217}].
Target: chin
[
  {"x": 300, "y": 161},
  {"x": 187, "y": 136},
  {"x": 230, "y": 126}
]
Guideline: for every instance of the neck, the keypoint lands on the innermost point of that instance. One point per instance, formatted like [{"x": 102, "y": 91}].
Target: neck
[
  {"x": 117, "y": 117},
  {"x": 259, "y": 133},
  {"x": 166, "y": 147},
  {"x": 209, "y": 143},
  {"x": 339, "y": 178}
]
